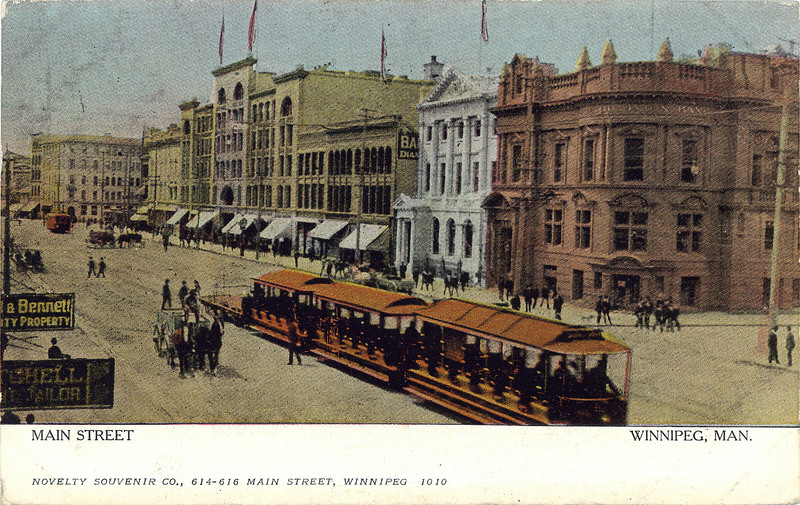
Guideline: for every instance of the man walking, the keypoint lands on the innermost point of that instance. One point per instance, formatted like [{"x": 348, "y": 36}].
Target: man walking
[
  {"x": 789, "y": 345},
  {"x": 772, "y": 344},
  {"x": 558, "y": 304},
  {"x": 166, "y": 296},
  {"x": 101, "y": 267},
  {"x": 294, "y": 341},
  {"x": 182, "y": 292},
  {"x": 91, "y": 268}
]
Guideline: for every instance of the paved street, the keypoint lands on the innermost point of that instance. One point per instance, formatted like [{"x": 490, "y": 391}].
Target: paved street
[{"x": 714, "y": 371}]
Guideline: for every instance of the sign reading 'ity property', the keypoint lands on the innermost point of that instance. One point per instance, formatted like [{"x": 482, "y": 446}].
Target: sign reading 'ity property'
[
  {"x": 38, "y": 311},
  {"x": 58, "y": 384}
]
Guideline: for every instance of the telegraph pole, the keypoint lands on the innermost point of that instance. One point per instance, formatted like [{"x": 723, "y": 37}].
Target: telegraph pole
[
  {"x": 776, "y": 223},
  {"x": 7, "y": 228}
]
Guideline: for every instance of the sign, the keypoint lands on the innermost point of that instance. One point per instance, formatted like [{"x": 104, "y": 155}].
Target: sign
[
  {"x": 58, "y": 384},
  {"x": 407, "y": 146},
  {"x": 38, "y": 311}
]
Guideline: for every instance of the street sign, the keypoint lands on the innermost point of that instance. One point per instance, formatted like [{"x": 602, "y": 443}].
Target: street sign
[
  {"x": 38, "y": 311},
  {"x": 58, "y": 384},
  {"x": 407, "y": 146}
]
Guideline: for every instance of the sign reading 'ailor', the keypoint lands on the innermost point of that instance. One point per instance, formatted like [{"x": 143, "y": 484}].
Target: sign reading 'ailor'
[
  {"x": 38, "y": 311},
  {"x": 57, "y": 384}
]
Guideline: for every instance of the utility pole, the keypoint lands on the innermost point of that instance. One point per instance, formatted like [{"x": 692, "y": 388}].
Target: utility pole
[
  {"x": 776, "y": 223},
  {"x": 7, "y": 227}
]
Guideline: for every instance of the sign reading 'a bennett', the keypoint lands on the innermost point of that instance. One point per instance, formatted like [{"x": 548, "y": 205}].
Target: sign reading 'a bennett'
[
  {"x": 52, "y": 384},
  {"x": 38, "y": 311}
]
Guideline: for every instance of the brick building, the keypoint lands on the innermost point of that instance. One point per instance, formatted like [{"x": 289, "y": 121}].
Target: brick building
[{"x": 646, "y": 178}]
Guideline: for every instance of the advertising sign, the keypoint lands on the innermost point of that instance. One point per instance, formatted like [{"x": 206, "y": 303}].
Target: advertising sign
[{"x": 38, "y": 311}]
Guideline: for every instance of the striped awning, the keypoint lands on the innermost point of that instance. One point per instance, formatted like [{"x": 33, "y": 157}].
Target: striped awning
[
  {"x": 202, "y": 218},
  {"x": 29, "y": 207},
  {"x": 176, "y": 218},
  {"x": 369, "y": 234},
  {"x": 327, "y": 229},
  {"x": 138, "y": 217},
  {"x": 279, "y": 227}
]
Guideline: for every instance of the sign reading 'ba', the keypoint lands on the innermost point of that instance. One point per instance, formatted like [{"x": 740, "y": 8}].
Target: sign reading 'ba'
[
  {"x": 38, "y": 311},
  {"x": 58, "y": 384},
  {"x": 407, "y": 146}
]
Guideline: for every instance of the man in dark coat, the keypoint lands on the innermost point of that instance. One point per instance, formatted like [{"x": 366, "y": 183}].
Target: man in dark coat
[
  {"x": 91, "y": 268},
  {"x": 182, "y": 292},
  {"x": 182, "y": 347},
  {"x": 527, "y": 295},
  {"x": 558, "y": 304},
  {"x": 294, "y": 341},
  {"x": 214, "y": 344},
  {"x": 166, "y": 296},
  {"x": 789, "y": 345},
  {"x": 101, "y": 267},
  {"x": 545, "y": 297},
  {"x": 772, "y": 344}
]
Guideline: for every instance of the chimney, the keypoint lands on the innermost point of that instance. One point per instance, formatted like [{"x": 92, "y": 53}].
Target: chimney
[{"x": 433, "y": 70}]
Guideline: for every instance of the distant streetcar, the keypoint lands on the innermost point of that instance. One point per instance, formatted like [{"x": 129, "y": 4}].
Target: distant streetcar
[
  {"x": 491, "y": 364},
  {"x": 58, "y": 222}
]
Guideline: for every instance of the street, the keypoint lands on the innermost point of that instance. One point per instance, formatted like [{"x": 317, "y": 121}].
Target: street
[{"x": 714, "y": 371}]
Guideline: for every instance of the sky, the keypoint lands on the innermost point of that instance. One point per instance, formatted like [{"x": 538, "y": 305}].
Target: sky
[{"x": 119, "y": 66}]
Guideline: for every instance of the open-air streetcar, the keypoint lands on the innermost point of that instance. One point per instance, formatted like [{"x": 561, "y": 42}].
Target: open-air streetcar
[{"x": 490, "y": 364}]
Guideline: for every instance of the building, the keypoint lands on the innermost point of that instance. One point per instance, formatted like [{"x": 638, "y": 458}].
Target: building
[
  {"x": 442, "y": 227},
  {"x": 646, "y": 179},
  {"x": 19, "y": 167},
  {"x": 162, "y": 159},
  {"x": 289, "y": 152},
  {"x": 96, "y": 178}
]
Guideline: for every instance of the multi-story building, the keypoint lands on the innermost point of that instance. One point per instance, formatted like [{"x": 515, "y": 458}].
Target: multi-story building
[
  {"x": 646, "y": 179},
  {"x": 443, "y": 227},
  {"x": 162, "y": 159},
  {"x": 302, "y": 148},
  {"x": 19, "y": 167},
  {"x": 86, "y": 176}
]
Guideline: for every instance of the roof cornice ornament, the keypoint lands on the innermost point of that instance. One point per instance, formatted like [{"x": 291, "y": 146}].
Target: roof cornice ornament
[
  {"x": 584, "y": 61},
  {"x": 608, "y": 56},
  {"x": 665, "y": 51}
]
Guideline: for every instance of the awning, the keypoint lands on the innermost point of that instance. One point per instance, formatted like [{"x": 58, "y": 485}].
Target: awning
[
  {"x": 29, "y": 207},
  {"x": 176, "y": 218},
  {"x": 369, "y": 234},
  {"x": 202, "y": 219},
  {"x": 138, "y": 217},
  {"x": 142, "y": 210},
  {"x": 327, "y": 229},
  {"x": 14, "y": 207},
  {"x": 165, "y": 207},
  {"x": 279, "y": 227},
  {"x": 235, "y": 228}
]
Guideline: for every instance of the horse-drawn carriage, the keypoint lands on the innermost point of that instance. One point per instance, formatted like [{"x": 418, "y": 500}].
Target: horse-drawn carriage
[
  {"x": 197, "y": 333},
  {"x": 100, "y": 239}
]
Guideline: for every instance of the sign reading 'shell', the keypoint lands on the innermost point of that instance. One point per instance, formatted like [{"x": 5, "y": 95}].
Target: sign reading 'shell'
[
  {"x": 38, "y": 311},
  {"x": 58, "y": 384}
]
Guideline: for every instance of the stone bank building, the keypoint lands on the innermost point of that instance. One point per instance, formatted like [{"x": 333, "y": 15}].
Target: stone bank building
[{"x": 645, "y": 179}]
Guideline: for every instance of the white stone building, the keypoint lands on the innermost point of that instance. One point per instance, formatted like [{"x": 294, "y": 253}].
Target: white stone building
[{"x": 443, "y": 227}]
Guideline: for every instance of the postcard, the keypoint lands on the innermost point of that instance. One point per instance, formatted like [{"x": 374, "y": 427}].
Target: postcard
[{"x": 400, "y": 252}]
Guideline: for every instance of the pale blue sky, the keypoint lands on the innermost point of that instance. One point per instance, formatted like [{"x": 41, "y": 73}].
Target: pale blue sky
[{"x": 115, "y": 66}]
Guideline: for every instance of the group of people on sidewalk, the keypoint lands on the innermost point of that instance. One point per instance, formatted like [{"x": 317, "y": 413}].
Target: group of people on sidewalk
[{"x": 772, "y": 344}]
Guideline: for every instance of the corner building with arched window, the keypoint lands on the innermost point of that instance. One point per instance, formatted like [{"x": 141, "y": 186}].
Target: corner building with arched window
[{"x": 651, "y": 178}]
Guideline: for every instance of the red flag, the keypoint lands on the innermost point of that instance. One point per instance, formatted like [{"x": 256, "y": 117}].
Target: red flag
[
  {"x": 251, "y": 33},
  {"x": 383, "y": 54},
  {"x": 221, "y": 33},
  {"x": 484, "y": 31}
]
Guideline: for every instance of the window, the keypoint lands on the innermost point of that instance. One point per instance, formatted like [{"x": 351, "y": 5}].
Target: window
[
  {"x": 286, "y": 107},
  {"x": 689, "y": 234},
  {"x": 451, "y": 237},
  {"x": 755, "y": 178},
  {"x": 577, "y": 284},
  {"x": 588, "y": 160},
  {"x": 598, "y": 280},
  {"x": 238, "y": 91},
  {"x": 221, "y": 95},
  {"x": 689, "y": 167},
  {"x": 429, "y": 133},
  {"x": 427, "y": 177},
  {"x": 461, "y": 129},
  {"x": 516, "y": 162},
  {"x": 558, "y": 161},
  {"x": 583, "y": 229},
  {"x": 442, "y": 178},
  {"x": 468, "y": 230},
  {"x": 475, "y": 176},
  {"x": 444, "y": 131},
  {"x": 633, "y": 169},
  {"x": 769, "y": 233},
  {"x": 458, "y": 178},
  {"x": 552, "y": 227},
  {"x": 435, "y": 236},
  {"x": 630, "y": 231}
]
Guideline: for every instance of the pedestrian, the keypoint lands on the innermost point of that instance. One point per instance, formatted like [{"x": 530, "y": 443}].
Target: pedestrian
[
  {"x": 294, "y": 340},
  {"x": 545, "y": 297},
  {"x": 214, "y": 343},
  {"x": 607, "y": 310},
  {"x": 515, "y": 302},
  {"x": 598, "y": 307},
  {"x": 501, "y": 288},
  {"x": 197, "y": 288},
  {"x": 509, "y": 286},
  {"x": 558, "y": 304},
  {"x": 296, "y": 257},
  {"x": 166, "y": 296},
  {"x": 101, "y": 267},
  {"x": 165, "y": 239},
  {"x": 182, "y": 345},
  {"x": 241, "y": 245},
  {"x": 527, "y": 295},
  {"x": 91, "y": 268},
  {"x": 182, "y": 292},
  {"x": 329, "y": 269},
  {"x": 402, "y": 270},
  {"x": 772, "y": 344},
  {"x": 464, "y": 280},
  {"x": 789, "y": 345},
  {"x": 10, "y": 417},
  {"x": 55, "y": 352},
  {"x": 534, "y": 297}
]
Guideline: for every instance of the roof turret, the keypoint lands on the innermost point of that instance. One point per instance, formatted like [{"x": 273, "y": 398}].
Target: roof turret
[
  {"x": 608, "y": 56},
  {"x": 665, "y": 51},
  {"x": 583, "y": 60}
]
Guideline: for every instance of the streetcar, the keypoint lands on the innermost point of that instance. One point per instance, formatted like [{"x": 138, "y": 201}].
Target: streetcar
[
  {"x": 490, "y": 364},
  {"x": 58, "y": 222}
]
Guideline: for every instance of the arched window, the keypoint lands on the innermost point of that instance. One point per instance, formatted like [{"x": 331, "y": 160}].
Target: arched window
[
  {"x": 468, "y": 239},
  {"x": 451, "y": 237},
  {"x": 286, "y": 107},
  {"x": 238, "y": 91},
  {"x": 357, "y": 160},
  {"x": 187, "y": 128},
  {"x": 380, "y": 160},
  {"x": 221, "y": 95},
  {"x": 387, "y": 163},
  {"x": 435, "y": 234},
  {"x": 349, "y": 163}
]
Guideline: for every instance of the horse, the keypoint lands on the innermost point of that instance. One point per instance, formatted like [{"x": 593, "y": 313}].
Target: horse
[{"x": 427, "y": 280}]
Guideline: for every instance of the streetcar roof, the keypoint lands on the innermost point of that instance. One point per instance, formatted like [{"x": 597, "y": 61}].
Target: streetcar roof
[
  {"x": 292, "y": 280},
  {"x": 489, "y": 321},
  {"x": 370, "y": 299}
]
